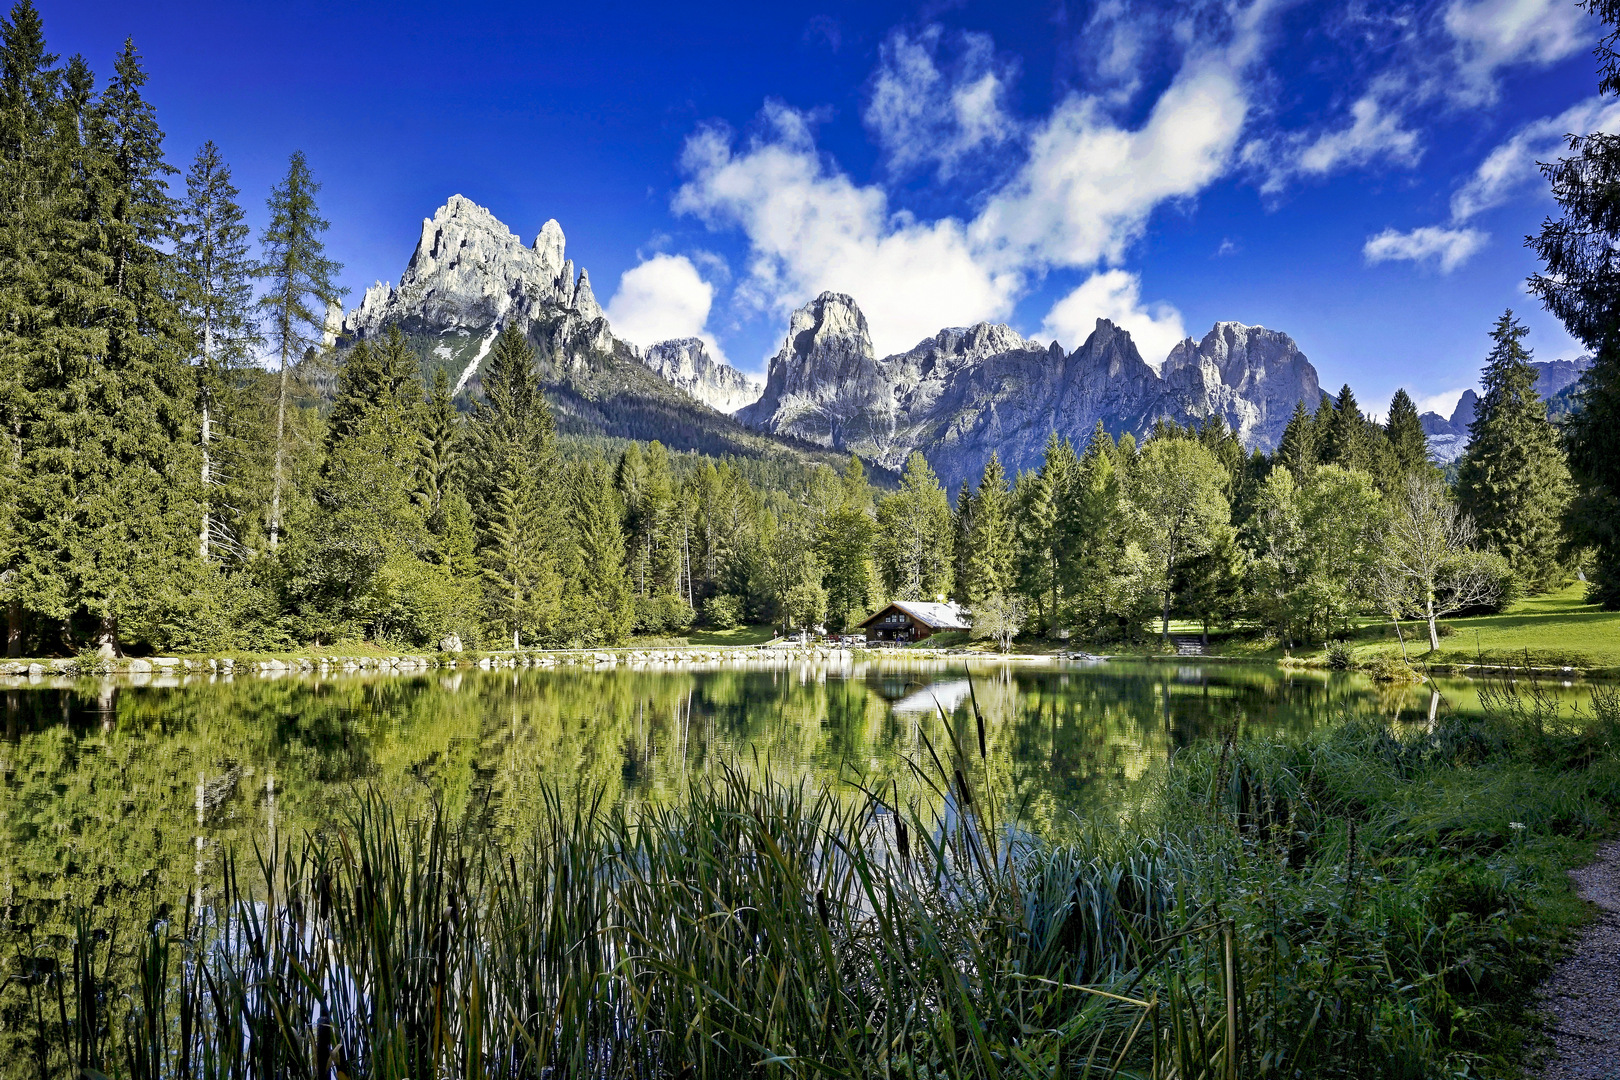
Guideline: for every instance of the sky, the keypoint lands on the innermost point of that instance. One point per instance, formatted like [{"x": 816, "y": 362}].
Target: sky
[{"x": 1358, "y": 174}]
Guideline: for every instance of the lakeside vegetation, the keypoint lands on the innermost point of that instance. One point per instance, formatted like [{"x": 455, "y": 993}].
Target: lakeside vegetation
[{"x": 1361, "y": 900}]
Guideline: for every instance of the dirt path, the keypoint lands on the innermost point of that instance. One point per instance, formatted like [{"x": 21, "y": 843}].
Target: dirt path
[{"x": 1582, "y": 998}]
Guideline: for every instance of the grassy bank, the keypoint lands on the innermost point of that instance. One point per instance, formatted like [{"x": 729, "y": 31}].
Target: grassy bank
[{"x": 1359, "y": 902}]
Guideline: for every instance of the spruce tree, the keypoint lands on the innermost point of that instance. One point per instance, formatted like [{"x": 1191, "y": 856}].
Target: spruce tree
[
  {"x": 106, "y": 506},
  {"x": 512, "y": 471},
  {"x": 300, "y": 291},
  {"x": 440, "y": 447},
  {"x": 1345, "y": 445},
  {"x": 990, "y": 540},
  {"x": 30, "y": 179},
  {"x": 962, "y": 516},
  {"x": 913, "y": 541},
  {"x": 1513, "y": 481},
  {"x": 602, "y": 608},
  {"x": 214, "y": 289},
  {"x": 1581, "y": 286},
  {"x": 1408, "y": 445}
]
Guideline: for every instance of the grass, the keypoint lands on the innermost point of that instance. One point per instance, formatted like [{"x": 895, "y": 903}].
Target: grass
[
  {"x": 1357, "y": 902},
  {"x": 1556, "y": 629},
  {"x": 739, "y": 635}
]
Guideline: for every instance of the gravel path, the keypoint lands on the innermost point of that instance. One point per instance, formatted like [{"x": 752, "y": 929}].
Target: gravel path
[{"x": 1582, "y": 999}]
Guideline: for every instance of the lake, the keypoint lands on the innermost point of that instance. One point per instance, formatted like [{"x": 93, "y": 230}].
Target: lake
[{"x": 116, "y": 787}]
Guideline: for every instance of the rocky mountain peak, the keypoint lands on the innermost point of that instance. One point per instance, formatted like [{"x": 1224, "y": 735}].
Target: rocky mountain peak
[
  {"x": 686, "y": 363},
  {"x": 549, "y": 246},
  {"x": 469, "y": 272}
]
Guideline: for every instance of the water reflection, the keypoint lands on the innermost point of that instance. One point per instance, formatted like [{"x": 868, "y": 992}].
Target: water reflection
[{"x": 116, "y": 783}]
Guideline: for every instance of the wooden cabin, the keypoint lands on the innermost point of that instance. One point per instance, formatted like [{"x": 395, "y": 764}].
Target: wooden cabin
[{"x": 907, "y": 620}]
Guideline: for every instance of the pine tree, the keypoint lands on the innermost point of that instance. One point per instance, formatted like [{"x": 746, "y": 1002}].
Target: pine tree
[
  {"x": 30, "y": 177},
  {"x": 214, "y": 289},
  {"x": 1345, "y": 444},
  {"x": 844, "y": 548},
  {"x": 913, "y": 543},
  {"x": 1043, "y": 549},
  {"x": 990, "y": 540},
  {"x": 962, "y": 516},
  {"x": 106, "y": 507},
  {"x": 440, "y": 447},
  {"x": 1513, "y": 481},
  {"x": 301, "y": 290},
  {"x": 1581, "y": 286},
  {"x": 1408, "y": 445},
  {"x": 603, "y": 609}
]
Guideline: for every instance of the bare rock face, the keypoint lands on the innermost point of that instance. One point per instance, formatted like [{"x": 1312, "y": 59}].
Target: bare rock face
[
  {"x": 967, "y": 392},
  {"x": 686, "y": 363},
  {"x": 1248, "y": 375},
  {"x": 469, "y": 272}
]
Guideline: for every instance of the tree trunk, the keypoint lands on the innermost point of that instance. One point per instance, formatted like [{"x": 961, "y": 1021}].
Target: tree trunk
[
  {"x": 1165, "y": 636},
  {"x": 107, "y": 638},
  {"x": 1401, "y": 638},
  {"x": 1434, "y": 631},
  {"x": 281, "y": 433},
  {"x": 14, "y": 629},
  {"x": 202, "y": 535}
]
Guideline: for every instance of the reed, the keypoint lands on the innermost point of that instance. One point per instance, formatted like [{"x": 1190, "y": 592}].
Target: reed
[{"x": 1331, "y": 906}]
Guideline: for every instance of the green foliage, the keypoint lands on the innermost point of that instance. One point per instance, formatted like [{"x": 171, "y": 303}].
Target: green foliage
[
  {"x": 722, "y": 612},
  {"x": 912, "y": 544},
  {"x": 1513, "y": 481}
]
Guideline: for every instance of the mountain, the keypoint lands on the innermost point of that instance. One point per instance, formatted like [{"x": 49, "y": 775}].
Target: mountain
[
  {"x": 686, "y": 363},
  {"x": 966, "y": 392},
  {"x": 1448, "y": 436},
  {"x": 469, "y": 276}
]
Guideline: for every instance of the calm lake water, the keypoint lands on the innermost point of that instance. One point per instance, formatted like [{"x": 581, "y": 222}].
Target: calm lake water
[{"x": 117, "y": 783}]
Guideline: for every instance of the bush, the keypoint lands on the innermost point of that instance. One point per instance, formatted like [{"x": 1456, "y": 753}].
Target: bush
[
  {"x": 722, "y": 612},
  {"x": 1391, "y": 669},
  {"x": 667, "y": 614},
  {"x": 1340, "y": 657}
]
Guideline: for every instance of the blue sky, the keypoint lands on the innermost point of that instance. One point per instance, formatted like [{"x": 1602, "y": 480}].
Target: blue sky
[{"x": 1359, "y": 174}]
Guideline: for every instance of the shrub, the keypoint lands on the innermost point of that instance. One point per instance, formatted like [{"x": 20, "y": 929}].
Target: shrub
[
  {"x": 1340, "y": 657},
  {"x": 722, "y": 611}
]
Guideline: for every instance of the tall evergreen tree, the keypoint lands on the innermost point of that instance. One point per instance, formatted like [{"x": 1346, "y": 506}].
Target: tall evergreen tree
[
  {"x": 962, "y": 517},
  {"x": 214, "y": 288},
  {"x": 301, "y": 288},
  {"x": 913, "y": 542},
  {"x": 1581, "y": 286},
  {"x": 107, "y": 501},
  {"x": 602, "y": 608},
  {"x": 440, "y": 446},
  {"x": 1513, "y": 481},
  {"x": 1345, "y": 445},
  {"x": 513, "y": 461},
  {"x": 990, "y": 538},
  {"x": 844, "y": 549},
  {"x": 1408, "y": 445}
]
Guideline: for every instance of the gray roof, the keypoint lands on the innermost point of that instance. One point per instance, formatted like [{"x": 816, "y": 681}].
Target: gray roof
[{"x": 938, "y": 616}]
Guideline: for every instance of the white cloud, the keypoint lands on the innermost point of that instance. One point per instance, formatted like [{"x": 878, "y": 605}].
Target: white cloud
[
  {"x": 1089, "y": 184},
  {"x": 1084, "y": 187},
  {"x": 663, "y": 297},
  {"x": 925, "y": 112},
  {"x": 1513, "y": 165},
  {"x": 1493, "y": 34},
  {"x": 1449, "y": 248},
  {"x": 1116, "y": 295},
  {"x": 1444, "y": 403},
  {"x": 811, "y": 228},
  {"x": 1375, "y": 132}
]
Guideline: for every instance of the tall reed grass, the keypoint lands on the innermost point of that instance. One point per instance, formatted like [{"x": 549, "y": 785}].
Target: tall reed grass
[{"x": 1357, "y": 903}]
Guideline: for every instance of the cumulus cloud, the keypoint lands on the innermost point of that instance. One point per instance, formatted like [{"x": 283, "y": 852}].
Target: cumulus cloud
[
  {"x": 1089, "y": 184},
  {"x": 929, "y": 107},
  {"x": 1083, "y": 188},
  {"x": 1116, "y": 295},
  {"x": 663, "y": 297},
  {"x": 1492, "y": 34},
  {"x": 1447, "y": 248},
  {"x": 811, "y": 228},
  {"x": 1513, "y": 165},
  {"x": 1374, "y": 132}
]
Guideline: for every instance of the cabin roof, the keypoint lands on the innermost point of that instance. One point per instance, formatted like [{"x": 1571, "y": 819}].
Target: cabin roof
[{"x": 935, "y": 616}]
